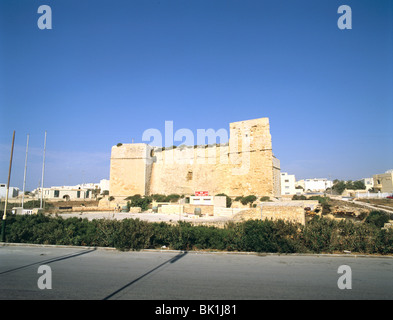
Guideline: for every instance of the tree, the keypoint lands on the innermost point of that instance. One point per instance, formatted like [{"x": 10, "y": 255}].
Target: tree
[
  {"x": 299, "y": 197},
  {"x": 339, "y": 186},
  {"x": 359, "y": 185},
  {"x": 96, "y": 192},
  {"x": 137, "y": 201},
  {"x": 249, "y": 199}
]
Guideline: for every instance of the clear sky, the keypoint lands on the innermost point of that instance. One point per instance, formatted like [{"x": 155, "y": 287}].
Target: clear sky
[{"x": 109, "y": 70}]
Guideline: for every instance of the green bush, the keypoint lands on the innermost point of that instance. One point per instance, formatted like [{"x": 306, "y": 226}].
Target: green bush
[
  {"x": 138, "y": 201},
  {"x": 163, "y": 198},
  {"x": 319, "y": 235},
  {"x": 248, "y": 199},
  {"x": 321, "y": 200},
  {"x": 269, "y": 236},
  {"x": 173, "y": 197},
  {"x": 377, "y": 218},
  {"x": 326, "y": 235},
  {"x": 299, "y": 197}
]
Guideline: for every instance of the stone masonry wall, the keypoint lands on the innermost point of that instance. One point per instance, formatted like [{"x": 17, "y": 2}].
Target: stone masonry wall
[
  {"x": 289, "y": 213},
  {"x": 243, "y": 166}
]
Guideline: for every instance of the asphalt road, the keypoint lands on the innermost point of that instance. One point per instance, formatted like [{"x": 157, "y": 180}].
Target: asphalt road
[{"x": 97, "y": 274}]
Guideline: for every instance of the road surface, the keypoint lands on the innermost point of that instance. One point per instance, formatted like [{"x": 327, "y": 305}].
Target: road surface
[{"x": 98, "y": 274}]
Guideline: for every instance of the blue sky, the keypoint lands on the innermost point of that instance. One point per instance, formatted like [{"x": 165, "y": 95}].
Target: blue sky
[{"x": 109, "y": 70}]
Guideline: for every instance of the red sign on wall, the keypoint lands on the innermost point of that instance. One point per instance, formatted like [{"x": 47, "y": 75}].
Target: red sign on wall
[{"x": 201, "y": 193}]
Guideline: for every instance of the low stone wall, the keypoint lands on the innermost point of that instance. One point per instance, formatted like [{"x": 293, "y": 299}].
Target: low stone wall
[
  {"x": 186, "y": 209},
  {"x": 171, "y": 209},
  {"x": 205, "y": 210},
  {"x": 292, "y": 213},
  {"x": 286, "y": 213},
  {"x": 227, "y": 212}
]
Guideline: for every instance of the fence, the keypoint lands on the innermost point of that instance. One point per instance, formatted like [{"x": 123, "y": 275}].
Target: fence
[{"x": 370, "y": 195}]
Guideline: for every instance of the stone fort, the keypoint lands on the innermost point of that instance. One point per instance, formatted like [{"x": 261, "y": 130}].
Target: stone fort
[{"x": 245, "y": 165}]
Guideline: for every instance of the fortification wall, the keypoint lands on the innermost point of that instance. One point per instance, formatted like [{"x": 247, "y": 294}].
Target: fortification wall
[{"x": 243, "y": 166}]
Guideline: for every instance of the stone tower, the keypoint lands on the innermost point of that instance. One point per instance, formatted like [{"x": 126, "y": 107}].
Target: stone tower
[{"x": 130, "y": 169}]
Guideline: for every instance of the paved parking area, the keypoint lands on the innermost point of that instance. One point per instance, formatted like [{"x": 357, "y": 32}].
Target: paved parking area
[{"x": 94, "y": 273}]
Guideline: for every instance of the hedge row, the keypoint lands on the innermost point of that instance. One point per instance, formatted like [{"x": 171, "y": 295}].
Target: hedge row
[{"x": 318, "y": 236}]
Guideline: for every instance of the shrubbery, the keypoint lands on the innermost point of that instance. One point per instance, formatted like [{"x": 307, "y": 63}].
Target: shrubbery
[
  {"x": 377, "y": 218},
  {"x": 319, "y": 235},
  {"x": 246, "y": 199},
  {"x": 265, "y": 199},
  {"x": 143, "y": 202},
  {"x": 138, "y": 201},
  {"x": 163, "y": 198}
]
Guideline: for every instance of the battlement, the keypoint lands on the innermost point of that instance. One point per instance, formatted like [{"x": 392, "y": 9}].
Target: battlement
[{"x": 245, "y": 165}]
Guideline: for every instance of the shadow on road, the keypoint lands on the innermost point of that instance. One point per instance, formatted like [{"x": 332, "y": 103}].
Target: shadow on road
[
  {"x": 67, "y": 256},
  {"x": 172, "y": 260}
]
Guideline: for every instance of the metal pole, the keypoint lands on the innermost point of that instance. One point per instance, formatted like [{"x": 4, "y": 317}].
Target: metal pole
[
  {"x": 43, "y": 169},
  {"x": 6, "y": 197},
  {"x": 24, "y": 176}
]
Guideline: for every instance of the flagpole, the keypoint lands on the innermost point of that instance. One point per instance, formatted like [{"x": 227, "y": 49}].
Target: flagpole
[
  {"x": 8, "y": 187},
  {"x": 43, "y": 169},
  {"x": 24, "y": 176}
]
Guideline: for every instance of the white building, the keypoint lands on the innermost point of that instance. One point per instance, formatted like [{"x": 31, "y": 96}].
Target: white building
[
  {"x": 288, "y": 184},
  {"x": 217, "y": 201},
  {"x": 77, "y": 192},
  {"x": 67, "y": 192},
  {"x": 12, "y": 191},
  {"x": 104, "y": 185},
  {"x": 369, "y": 183},
  {"x": 315, "y": 185}
]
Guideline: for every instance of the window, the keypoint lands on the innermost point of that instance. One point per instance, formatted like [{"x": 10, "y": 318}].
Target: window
[
  {"x": 56, "y": 193},
  {"x": 78, "y": 194},
  {"x": 287, "y": 180}
]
